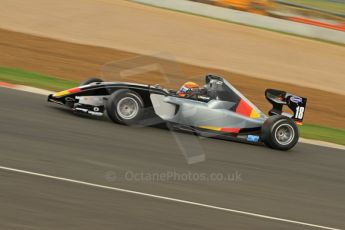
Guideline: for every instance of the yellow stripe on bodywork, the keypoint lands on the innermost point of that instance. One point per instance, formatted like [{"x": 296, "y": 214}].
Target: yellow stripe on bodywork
[
  {"x": 254, "y": 114},
  {"x": 210, "y": 127},
  {"x": 62, "y": 93}
]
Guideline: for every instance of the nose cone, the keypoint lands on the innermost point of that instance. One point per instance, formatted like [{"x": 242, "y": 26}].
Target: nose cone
[{"x": 67, "y": 92}]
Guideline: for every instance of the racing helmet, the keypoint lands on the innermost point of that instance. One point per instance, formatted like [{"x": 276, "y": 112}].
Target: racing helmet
[{"x": 188, "y": 88}]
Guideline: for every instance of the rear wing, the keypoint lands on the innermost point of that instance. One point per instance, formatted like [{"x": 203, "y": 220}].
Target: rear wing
[{"x": 280, "y": 98}]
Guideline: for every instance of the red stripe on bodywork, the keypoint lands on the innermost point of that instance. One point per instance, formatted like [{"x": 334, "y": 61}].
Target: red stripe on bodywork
[
  {"x": 243, "y": 108},
  {"x": 230, "y": 130},
  {"x": 74, "y": 90}
]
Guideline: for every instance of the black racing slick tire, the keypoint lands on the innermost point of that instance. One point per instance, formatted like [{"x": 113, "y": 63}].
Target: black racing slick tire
[
  {"x": 125, "y": 107},
  {"x": 280, "y": 132},
  {"x": 91, "y": 80}
]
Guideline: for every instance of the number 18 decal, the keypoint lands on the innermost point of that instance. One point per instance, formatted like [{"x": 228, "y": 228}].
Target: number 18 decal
[{"x": 299, "y": 112}]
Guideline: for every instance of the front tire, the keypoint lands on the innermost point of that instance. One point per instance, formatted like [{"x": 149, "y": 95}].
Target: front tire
[
  {"x": 280, "y": 132},
  {"x": 125, "y": 107}
]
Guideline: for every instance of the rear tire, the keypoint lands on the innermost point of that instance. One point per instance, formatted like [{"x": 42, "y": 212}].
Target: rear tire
[
  {"x": 125, "y": 107},
  {"x": 91, "y": 80},
  {"x": 280, "y": 132}
]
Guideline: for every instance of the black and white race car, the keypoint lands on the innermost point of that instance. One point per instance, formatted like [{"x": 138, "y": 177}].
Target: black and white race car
[{"x": 217, "y": 110}]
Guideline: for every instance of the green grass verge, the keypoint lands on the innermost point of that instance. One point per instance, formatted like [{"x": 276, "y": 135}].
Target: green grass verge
[
  {"x": 18, "y": 76},
  {"x": 322, "y": 4},
  {"x": 323, "y": 133}
]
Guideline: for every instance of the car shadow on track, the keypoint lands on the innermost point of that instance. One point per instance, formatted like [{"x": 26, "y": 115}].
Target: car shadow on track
[{"x": 158, "y": 124}]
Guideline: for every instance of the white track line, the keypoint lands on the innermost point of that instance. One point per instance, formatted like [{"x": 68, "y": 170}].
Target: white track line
[
  {"x": 26, "y": 88},
  {"x": 166, "y": 198},
  {"x": 321, "y": 143}
]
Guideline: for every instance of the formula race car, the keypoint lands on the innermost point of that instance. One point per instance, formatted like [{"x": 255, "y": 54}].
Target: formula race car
[{"x": 216, "y": 110}]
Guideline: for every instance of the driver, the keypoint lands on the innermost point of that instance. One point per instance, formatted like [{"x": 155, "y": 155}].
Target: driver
[
  {"x": 191, "y": 90},
  {"x": 188, "y": 89}
]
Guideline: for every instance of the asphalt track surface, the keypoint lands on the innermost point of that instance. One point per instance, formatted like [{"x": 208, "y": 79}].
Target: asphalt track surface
[{"x": 306, "y": 184}]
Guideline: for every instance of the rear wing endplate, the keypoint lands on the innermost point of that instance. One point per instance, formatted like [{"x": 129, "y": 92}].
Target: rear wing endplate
[{"x": 279, "y": 98}]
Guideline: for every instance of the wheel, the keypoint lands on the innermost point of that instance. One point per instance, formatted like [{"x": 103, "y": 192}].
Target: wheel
[
  {"x": 280, "y": 132},
  {"x": 91, "y": 80},
  {"x": 125, "y": 107}
]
